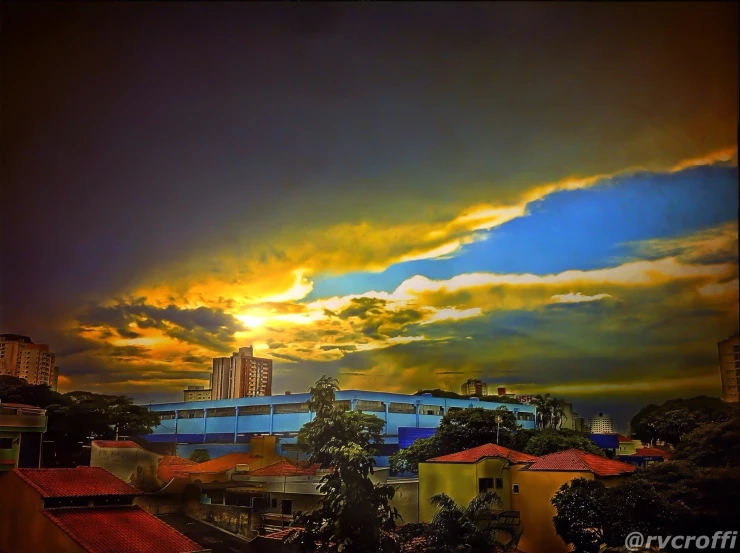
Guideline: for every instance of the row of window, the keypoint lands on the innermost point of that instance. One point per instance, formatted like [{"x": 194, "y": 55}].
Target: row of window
[{"x": 286, "y": 408}]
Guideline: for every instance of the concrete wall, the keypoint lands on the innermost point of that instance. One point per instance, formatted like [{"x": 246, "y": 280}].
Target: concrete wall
[
  {"x": 24, "y": 528},
  {"x": 406, "y": 499},
  {"x": 456, "y": 480},
  {"x": 160, "y": 504},
  {"x": 132, "y": 465}
]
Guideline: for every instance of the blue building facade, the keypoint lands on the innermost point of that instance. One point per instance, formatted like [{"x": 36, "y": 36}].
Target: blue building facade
[{"x": 225, "y": 426}]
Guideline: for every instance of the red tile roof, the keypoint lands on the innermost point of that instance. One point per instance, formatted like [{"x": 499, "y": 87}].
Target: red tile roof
[
  {"x": 171, "y": 466},
  {"x": 78, "y": 482},
  {"x": 623, "y": 438},
  {"x": 653, "y": 452},
  {"x": 127, "y": 444},
  {"x": 220, "y": 464},
  {"x": 481, "y": 452},
  {"x": 284, "y": 468},
  {"x": 120, "y": 530},
  {"x": 576, "y": 460},
  {"x": 281, "y": 534}
]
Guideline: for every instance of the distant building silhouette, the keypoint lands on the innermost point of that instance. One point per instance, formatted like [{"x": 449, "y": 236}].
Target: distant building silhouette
[
  {"x": 474, "y": 387},
  {"x": 729, "y": 367}
]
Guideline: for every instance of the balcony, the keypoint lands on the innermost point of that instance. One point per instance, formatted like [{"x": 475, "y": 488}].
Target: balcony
[{"x": 17, "y": 416}]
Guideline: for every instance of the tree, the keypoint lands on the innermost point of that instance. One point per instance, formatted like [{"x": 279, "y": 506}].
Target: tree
[
  {"x": 354, "y": 514},
  {"x": 75, "y": 418},
  {"x": 454, "y": 529},
  {"x": 200, "y": 456},
  {"x": 676, "y": 417},
  {"x": 458, "y": 430},
  {"x": 550, "y": 412},
  {"x": 552, "y": 441},
  {"x": 712, "y": 445},
  {"x": 582, "y": 515}
]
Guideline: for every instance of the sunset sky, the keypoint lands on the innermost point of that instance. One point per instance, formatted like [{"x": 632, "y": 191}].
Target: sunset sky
[{"x": 404, "y": 196}]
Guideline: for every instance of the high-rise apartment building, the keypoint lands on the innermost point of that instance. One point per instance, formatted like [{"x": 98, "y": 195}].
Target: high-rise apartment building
[
  {"x": 21, "y": 358},
  {"x": 474, "y": 387},
  {"x": 196, "y": 393},
  {"x": 602, "y": 424},
  {"x": 729, "y": 367},
  {"x": 241, "y": 375}
]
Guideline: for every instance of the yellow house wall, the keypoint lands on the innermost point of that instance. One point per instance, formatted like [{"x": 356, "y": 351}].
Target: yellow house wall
[
  {"x": 536, "y": 488},
  {"x": 456, "y": 480},
  {"x": 496, "y": 468}
]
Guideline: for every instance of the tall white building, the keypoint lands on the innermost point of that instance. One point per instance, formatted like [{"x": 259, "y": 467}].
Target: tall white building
[{"x": 602, "y": 424}]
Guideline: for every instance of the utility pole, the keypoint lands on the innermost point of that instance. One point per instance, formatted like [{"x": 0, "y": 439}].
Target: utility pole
[{"x": 498, "y": 426}]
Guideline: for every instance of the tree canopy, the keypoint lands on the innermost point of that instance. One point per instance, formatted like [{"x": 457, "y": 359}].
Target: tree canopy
[
  {"x": 354, "y": 515},
  {"x": 458, "y": 430},
  {"x": 75, "y": 418},
  {"x": 675, "y": 418},
  {"x": 715, "y": 444},
  {"x": 552, "y": 441}
]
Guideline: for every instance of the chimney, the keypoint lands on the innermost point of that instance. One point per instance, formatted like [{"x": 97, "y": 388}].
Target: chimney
[
  {"x": 287, "y": 393},
  {"x": 502, "y": 391}
]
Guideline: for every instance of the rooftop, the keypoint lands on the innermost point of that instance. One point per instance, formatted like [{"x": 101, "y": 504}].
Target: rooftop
[
  {"x": 623, "y": 439},
  {"x": 575, "y": 460},
  {"x": 77, "y": 482},
  {"x": 171, "y": 466},
  {"x": 121, "y": 530},
  {"x": 652, "y": 452},
  {"x": 124, "y": 444},
  {"x": 284, "y": 468},
  {"x": 481, "y": 452},
  {"x": 220, "y": 464}
]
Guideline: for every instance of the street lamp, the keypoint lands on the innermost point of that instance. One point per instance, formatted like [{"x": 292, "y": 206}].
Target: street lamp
[{"x": 498, "y": 426}]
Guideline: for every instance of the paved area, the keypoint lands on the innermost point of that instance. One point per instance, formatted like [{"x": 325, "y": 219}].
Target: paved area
[{"x": 209, "y": 537}]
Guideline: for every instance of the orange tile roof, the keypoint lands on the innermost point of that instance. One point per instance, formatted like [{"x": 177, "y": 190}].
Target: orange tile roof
[
  {"x": 120, "y": 530},
  {"x": 652, "y": 452},
  {"x": 576, "y": 460},
  {"x": 171, "y": 466},
  {"x": 77, "y": 482},
  {"x": 126, "y": 444},
  {"x": 220, "y": 464},
  {"x": 481, "y": 452},
  {"x": 623, "y": 438},
  {"x": 284, "y": 468}
]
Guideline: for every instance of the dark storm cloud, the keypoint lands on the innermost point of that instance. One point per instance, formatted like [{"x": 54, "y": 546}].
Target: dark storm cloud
[
  {"x": 196, "y": 359},
  {"x": 207, "y": 327}
]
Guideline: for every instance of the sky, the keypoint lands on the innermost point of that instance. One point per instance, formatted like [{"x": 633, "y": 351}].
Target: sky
[{"x": 401, "y": 195}]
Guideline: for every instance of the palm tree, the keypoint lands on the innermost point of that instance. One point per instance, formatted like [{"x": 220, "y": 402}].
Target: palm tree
[
  {"x": 542, "y": 403},
  {"x": 455, "y": 529}
]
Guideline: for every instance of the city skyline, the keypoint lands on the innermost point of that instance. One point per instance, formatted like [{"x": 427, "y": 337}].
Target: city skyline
[{"x": 405, "y": 197}]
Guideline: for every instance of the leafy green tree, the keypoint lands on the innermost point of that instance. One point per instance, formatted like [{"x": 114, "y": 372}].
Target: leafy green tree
[
  {"x": 199, "y": 456},
  {"x": 582, "y": 514},
  {"x": 676, "y": 417},
  {"x": 712, "y": 445},
  {"x": 456, "y": 529},
  {"x": 552, "y": 441},
  {"x": 354, "y": 514},
  {"x": 458, "y": 430}
]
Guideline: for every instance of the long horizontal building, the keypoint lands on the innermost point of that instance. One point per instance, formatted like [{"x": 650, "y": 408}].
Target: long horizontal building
[{"x": 225, "y": 426}]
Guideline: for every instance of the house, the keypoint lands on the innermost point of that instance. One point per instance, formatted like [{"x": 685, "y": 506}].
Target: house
[
  {"x": 80, "y": 510},
  {"x": 534, "y": 484},
  {"x": 465, "y": 474},
  {"x": 608, "y": 443},
  {"x": 646, "y": 456},
  {"x": 21, "y": 430}
]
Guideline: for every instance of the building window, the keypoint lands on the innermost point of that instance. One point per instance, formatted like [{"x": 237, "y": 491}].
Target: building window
[
  {"x": 273, "y": 503},
  {"x": 370, "y": 406},
  {"x": 484, "y": 484},
  {"x": 165, "y": 415},
  {"x": 222, "y": 412},
  {"x": 291, "y": 408},
  {"x": 408, "y": 408},
  {"x": 515, "y": 488},
  {"x": 430, "y": 410},
  {"x": 499, "y": 483},
  {"x": 6, "y": 443},
  {"x": 254, "y": 410},
  {"x": 192, "y": 414}
]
